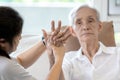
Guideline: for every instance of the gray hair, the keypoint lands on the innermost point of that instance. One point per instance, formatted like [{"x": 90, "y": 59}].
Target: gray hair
[{"x": 73, "y": 12}]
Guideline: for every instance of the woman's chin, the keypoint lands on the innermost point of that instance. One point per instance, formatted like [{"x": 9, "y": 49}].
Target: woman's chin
[{"x": 86, "y": 40}]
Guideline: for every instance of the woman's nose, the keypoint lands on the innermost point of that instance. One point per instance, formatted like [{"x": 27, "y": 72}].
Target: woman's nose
[{"x": 85, "y": 26}]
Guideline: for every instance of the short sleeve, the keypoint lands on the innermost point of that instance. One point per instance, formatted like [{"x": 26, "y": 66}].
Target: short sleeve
[{"x": 13, "y": 71}]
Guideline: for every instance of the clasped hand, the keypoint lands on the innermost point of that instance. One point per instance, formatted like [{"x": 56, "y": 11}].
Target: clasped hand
[{"x": 55, "y": 40}]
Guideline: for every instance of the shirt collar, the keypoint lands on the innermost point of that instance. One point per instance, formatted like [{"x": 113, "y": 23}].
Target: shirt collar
[
  {"x": 107, "y": 50},
  {"x": 102, "y": 49}
]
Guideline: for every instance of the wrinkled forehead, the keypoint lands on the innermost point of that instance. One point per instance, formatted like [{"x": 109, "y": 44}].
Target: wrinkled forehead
[{"x": 86, "y": 13}]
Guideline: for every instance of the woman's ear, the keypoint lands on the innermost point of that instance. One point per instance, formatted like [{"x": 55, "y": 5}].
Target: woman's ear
[
  {"x": 2, "y": 42},
  {"x": 100, "y": 26}
]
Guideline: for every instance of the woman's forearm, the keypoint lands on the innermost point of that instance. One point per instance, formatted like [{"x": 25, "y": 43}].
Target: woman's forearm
[
  {"x": 28, "y": 57},
  {"x": 55, "y": 71}
]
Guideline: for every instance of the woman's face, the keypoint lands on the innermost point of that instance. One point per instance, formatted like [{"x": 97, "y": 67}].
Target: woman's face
[
  {"x": 10, "y": 48},
  {"x": 87, "y": 26},
  {"x": 16, "y": 42}
]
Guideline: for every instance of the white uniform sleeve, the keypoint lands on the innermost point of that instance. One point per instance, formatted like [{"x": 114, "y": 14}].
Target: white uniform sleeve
[
  {"x": 14, "y": 59},
  {"x": 13, "y": 71}
]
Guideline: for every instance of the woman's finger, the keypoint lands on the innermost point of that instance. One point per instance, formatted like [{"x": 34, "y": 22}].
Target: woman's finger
[
  {"x": 66, "y": 30},
  {"x": 52, "y": 26},
  {"x": 64, "y": 38},
  {"x": 58, "y": 36},
  {"x": 57, "y": 30}
]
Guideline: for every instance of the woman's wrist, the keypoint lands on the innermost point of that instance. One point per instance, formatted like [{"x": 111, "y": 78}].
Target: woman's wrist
[
  {"x": 60, "y": 59},
  {"x": 43, "y": 41}
]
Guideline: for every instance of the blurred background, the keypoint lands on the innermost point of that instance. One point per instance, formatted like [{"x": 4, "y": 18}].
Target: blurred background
[{"x": 37, "y": 15}]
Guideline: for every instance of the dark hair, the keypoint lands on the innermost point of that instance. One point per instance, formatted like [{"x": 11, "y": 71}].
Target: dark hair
[{"x": 10, "y": 26}]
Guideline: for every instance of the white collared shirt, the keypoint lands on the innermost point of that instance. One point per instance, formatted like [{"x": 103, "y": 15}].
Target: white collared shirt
[{"x": 105, "y": 65}]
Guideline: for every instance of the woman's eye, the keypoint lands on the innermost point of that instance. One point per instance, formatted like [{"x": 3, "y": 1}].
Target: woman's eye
[
  {"x": 78, "y": 22},
  {"x": 90, "y": 21}
]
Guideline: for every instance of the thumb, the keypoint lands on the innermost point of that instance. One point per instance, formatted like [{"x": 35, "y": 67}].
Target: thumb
[{"x": 72, "y": 31}]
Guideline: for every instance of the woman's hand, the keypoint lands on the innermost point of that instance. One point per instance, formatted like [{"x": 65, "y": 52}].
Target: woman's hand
[{"x": 55, "y": 40}]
